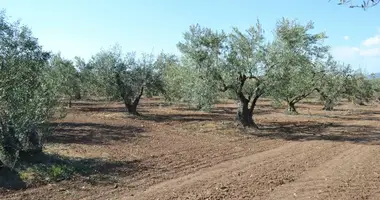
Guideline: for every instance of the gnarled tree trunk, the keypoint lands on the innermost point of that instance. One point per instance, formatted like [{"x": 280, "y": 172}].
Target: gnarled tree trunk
[
  {"x": 244, "y": 115},
  {"x": 291, "y": 108},
  {"x": 132, "y": 109},
  {"x": 328, "y": 105},
  {"x": 245, "y": 112},
  {"x": 132, "y": 106}
]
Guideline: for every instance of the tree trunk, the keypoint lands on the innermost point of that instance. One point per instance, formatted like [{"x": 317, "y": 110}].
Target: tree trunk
[
  {"x": 359, "y": 102},
  {"x": 244, "y": 115},
  {"x": 78, "y": 95},
  {"x": 132, "y": 109},
  {"x": 329, "y": 105},
  {"x": 70, "y": 103},
  {"x": 291, "y": 108}
]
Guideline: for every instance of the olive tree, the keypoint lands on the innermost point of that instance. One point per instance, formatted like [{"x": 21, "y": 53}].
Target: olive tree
[
  {"x": 27, "y": 93},
  {"x": 67, "y": 77},
  {"x": 229, "y": 62},
  {"x": 358, "y": 89},
  {"x": 300, "y": 54},
  {"x": 125, "y": 78},
  {"x": 334, "y": 82},
  {"x": 375, "y": 82}
]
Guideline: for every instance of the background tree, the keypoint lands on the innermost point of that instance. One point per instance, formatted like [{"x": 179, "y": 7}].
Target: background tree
[
  {"x": 299, "y": 55},
  {"x": 334, "y": 83},
  {"x": 359, "y": 89},
  {"x": 375, "y": 82},
  {"x": 68, "y": 78},
  {"x": 126, "y": 78},
  {"x": 27, "y": 94},
  {"x": 86, "y": 79},
  {"x": 233, "y": 62}
]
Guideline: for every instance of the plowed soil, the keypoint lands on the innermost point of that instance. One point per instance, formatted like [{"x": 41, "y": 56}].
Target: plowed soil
[{"x": 172, "y": 152}]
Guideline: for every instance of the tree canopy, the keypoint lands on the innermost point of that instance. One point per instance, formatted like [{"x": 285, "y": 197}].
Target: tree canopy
[
  {"x": 125, "y": 77},
  {"x": 27, "y": 93}
]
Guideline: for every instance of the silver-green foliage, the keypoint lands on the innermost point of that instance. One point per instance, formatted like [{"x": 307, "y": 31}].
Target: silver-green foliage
[
  {"x": 183, "y": 83},
  {"x": 227, "y": 62},
  {"x": 358, "y": 88},
  {"x": 27, "y": 93},
  {"x": 124, "y": 77},
  {"x": 299, "y": 57},
  {"x": 333, "y": 85},
  {"x": 67, "y": 77}
]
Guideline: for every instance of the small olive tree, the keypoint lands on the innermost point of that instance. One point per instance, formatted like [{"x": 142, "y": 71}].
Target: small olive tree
[
  {"x": 124, "y": 78},
  {"x": 27, "y": 92},
  {"x": 300, "y": 54}
]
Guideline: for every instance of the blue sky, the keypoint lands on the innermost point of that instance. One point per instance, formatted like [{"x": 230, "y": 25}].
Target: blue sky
[{"x": 83, "y": 27}]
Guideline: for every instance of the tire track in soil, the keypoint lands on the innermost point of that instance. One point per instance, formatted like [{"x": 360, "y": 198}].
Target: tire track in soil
[
  {"x": 172, "y": 166},
  {"x": 354, "y": 174},
  {"x": 245, "y": 177}
]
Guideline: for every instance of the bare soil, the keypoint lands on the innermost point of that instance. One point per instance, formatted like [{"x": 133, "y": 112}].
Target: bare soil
[{"x": 172, "y": 152}]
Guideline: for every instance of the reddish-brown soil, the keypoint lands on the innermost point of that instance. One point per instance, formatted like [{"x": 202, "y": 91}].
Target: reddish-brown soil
[{"x": 176, "y": 153}]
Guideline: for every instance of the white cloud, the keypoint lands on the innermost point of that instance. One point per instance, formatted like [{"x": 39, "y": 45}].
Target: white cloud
[
  {"x": 372, "y": 41},
  {"x": 365, "y": 54},
  {"x": 345, "y": 52},
  {"x": 370, "y": 52}
]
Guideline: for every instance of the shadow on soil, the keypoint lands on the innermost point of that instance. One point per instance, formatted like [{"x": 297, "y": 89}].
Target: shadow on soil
[
  {"x": 353, "y": 116},
  {"x": 224, "y": 111},
  {"x": 101, "y": 109},
  {"x": 92, "y": 133},
  {"x": 321, "y": 131},
  {"x": 104, "y": 107},
  {"x": 10, "y": 179},
  {"x": 46, "y": 168},
  {"x": 162, "y": 118}
]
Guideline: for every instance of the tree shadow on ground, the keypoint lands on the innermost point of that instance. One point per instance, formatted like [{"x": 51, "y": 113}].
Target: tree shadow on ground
[
  {"x": 96, "y": 107},
  {"x": 155, "y": 104},
  {"x": 10, "y": 179},
  {"x": 104, "y": 108},
  {"x": 222, "y": 110},
  {"x": 85, "y": 103},
  {"x": 44, "y": 168},
  {"x": 162, "y": 118},
  {"x": 320, "y": 131},
  {"x": 359, "y": 114},
  {"x": 348, "y": 118},
  {"x": 92, "y": 133}
]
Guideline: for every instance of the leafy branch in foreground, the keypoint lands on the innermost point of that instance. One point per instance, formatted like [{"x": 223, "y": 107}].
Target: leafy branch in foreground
[{"x": 364, "y": 5}]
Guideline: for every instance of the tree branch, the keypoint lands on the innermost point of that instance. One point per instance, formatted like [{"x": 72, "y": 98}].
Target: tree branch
[
  {"x": 365, "y": 5},
  {"x": 258, "y": 93},
  {"x": 300, "y": 97},
  {"x": 136, "y": 101},
  {"x": 225, "y": 87},
  {"x": 253, "y": 77}
]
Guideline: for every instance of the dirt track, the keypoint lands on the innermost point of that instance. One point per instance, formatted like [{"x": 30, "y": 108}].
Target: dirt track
[
  {"x": 183, "y": 159},
  {"x": 297, "y": 170}
]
